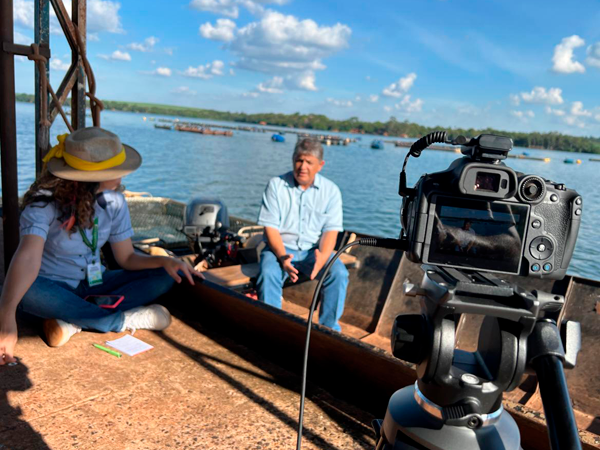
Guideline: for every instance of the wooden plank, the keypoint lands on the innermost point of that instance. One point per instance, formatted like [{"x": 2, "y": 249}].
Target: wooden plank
[{"x": 584, "y": 379}]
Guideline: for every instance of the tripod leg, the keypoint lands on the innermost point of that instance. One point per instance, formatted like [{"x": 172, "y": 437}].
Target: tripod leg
[{"x": 562, "y": 428}]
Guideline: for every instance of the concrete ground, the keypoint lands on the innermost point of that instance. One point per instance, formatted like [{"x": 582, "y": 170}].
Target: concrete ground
[{"x": 196, "y": 389}]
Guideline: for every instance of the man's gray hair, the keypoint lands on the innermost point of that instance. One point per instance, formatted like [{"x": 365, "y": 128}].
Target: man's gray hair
[{"x": 308, "y": 146}]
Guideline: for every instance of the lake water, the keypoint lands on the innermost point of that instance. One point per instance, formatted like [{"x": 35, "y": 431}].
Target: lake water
[{"x": 236, "y": 169}]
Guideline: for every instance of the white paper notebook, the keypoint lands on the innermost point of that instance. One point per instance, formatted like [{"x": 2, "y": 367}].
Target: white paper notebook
[{"x": 129, "y": 345}]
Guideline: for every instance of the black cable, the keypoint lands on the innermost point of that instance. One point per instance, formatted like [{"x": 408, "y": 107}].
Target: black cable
[
  {"x": 372, "y": 242},
  {"x": 426, "y": 141},
  {"x": 313, "y": 305}
]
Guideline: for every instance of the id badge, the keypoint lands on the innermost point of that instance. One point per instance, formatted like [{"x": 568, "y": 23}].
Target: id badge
[{"x": 94, "y": 274}]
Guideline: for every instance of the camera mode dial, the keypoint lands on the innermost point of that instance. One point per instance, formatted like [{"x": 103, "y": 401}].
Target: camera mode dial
[{"x": 532, "y": 189}]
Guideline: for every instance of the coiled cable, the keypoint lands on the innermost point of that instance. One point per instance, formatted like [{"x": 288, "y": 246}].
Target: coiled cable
[{"x": 426, "y": 141}]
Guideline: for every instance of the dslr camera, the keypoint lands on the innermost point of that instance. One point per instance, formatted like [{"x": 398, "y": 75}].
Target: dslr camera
[{"x": 481, "y": 215}]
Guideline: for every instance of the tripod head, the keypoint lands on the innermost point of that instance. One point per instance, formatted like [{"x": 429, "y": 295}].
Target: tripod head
[{"x": 458, "y": 395}]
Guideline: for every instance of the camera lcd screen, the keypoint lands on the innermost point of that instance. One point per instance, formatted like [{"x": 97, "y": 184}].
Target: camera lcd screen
[
  {"x": 485, "y": 181},
  {"x": 477, "y": 234}
]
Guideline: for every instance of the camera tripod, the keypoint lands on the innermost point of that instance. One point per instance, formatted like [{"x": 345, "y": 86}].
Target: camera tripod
[{"x": 457, "y": 401}]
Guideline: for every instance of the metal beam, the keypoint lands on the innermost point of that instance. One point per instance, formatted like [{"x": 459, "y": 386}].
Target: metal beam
[
  {"x": 68, "y": 82},
  {"x": 78, "y": 14},
  {"x": 24, "y": 50},
  {"x": 42, "y": 38},
  {"x": 8, "y": 136}
]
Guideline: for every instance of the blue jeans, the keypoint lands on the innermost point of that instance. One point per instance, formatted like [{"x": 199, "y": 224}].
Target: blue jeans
[
  {"x": 50, "y": 299},
  {"x": 271, "y": 278}
]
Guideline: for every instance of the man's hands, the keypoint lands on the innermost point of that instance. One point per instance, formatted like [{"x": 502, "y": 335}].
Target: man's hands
[
  {"x": 173, "y": 266},
  {"x": 286, "y": 264},
  {"x": 8, "y": 337},
  {"x": 321, "y": 259}
]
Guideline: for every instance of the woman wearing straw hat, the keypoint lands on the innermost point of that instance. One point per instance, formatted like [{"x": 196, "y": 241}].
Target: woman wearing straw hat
[{"x": 69, "y": 213}]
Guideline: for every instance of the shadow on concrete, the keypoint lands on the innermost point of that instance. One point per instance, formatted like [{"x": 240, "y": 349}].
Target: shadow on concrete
[
  {"x": 595, "y": 426},
  {"x": 357, "y": 426},
  {"x": 16, "y": 433}
]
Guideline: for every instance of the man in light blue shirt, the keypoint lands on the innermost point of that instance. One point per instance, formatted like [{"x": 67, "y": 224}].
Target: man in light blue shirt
[{"x": 302, "y": 215}]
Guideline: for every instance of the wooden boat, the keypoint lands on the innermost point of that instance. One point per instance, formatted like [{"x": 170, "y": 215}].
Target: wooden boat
[
  {"x": 360, "y": 355},
  {"x": 201, "y": 130}
]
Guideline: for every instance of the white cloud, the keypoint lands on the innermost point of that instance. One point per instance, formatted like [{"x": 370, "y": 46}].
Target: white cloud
[
  {"x": 93, "y": 37},
  {"x": 231, "y": 72},
  {"x": 163, "y": 71},
  {"x": 373, "y": 98},
  {"x": 593, "y": 55},
  {"x": 117, "y": 55},
  {"x": 401, "y": 87},
  {"x": 515, "y": 99},
  {"x": 22, "y": 39},
  {"x": 555, "y": 112},
  {"x": 227, "y": 8},
  {"x": 231, "y": 8},
  {"x": 405, "y": 105},
  {"x": 574, "y": 121},
  {"x": 23, "y": 13},
  {"x": 523, "y": 115},
  {"x": 282, "y": 45},
  {"x": 250, "y": 94},
  {"x": 146, "y": 46},
  {"x": 341, "y": 103},
  {"x": 597, "y": 117},
  {"x": 563, "y": 56},
  {"x": 358, "y": 98},
  {"x": 224, "y": 30},
  {"x": 577, "y": 110},
  {"x": 102, "y": 15},
  {"x": 272, "y": 86},
  {"x": 304, "y": 81},
  {"x": 387, "y": 108},
  {"x": 205, "y": 71},
  {"x": 539, "y": 95},
  {"x": 57, "y": 64},
  {"x": 183, "y": 90}
]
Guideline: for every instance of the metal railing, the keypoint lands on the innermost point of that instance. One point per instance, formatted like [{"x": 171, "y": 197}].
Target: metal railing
[{"x": 73, "y": 83}]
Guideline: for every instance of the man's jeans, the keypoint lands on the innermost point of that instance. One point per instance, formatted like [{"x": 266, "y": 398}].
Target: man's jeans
[
  {"x": 50, "y": 299},
  {"x": 272, "y": 276}
]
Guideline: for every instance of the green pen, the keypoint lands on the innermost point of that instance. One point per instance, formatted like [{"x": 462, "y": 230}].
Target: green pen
[{"x": 107, "y": 350}]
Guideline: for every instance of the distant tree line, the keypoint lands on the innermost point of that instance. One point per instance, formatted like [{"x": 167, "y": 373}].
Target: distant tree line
[{"x": 393, "y": 127}]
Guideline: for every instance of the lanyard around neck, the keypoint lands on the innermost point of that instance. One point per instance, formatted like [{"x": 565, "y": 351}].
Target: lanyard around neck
[{"x": 94, "y": 244}]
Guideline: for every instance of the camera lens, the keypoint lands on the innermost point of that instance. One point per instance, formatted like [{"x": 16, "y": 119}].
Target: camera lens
[{"x": 532, "y": 189}]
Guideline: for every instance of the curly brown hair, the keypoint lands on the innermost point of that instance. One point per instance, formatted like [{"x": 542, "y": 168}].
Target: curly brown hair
[{"x": 71, "y": 198}]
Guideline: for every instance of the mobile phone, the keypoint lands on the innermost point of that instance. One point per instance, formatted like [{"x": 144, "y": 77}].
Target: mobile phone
[{"x": 105, "y": 301}]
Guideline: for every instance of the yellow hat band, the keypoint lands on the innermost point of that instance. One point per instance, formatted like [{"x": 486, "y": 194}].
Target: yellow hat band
[{"x": 58, "y": 151}]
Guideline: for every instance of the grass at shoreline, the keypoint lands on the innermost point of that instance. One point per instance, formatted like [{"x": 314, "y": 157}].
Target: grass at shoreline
[{"x": 550, "y": 141}]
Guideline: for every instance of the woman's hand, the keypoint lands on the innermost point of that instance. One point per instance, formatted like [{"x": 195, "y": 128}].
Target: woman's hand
[
  {"x": 8, "y": 338},
  {"x": 174, "y": 266}
]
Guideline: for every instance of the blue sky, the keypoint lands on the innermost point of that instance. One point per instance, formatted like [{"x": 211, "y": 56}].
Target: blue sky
[{"x": 511, "y": 65}]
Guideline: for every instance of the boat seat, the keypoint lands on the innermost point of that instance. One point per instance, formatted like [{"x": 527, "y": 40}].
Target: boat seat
[{"x": 243, "y": 275}]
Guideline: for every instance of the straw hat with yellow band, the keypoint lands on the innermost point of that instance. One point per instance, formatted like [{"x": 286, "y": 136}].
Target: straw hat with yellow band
[{"x": 91, "y": 154}]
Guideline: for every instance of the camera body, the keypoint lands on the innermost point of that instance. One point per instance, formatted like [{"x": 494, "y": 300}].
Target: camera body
[{"x": 480, "y": 214}]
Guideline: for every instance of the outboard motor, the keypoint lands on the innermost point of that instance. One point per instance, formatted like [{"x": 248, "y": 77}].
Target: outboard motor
[{"x": 207, "y": 227}]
